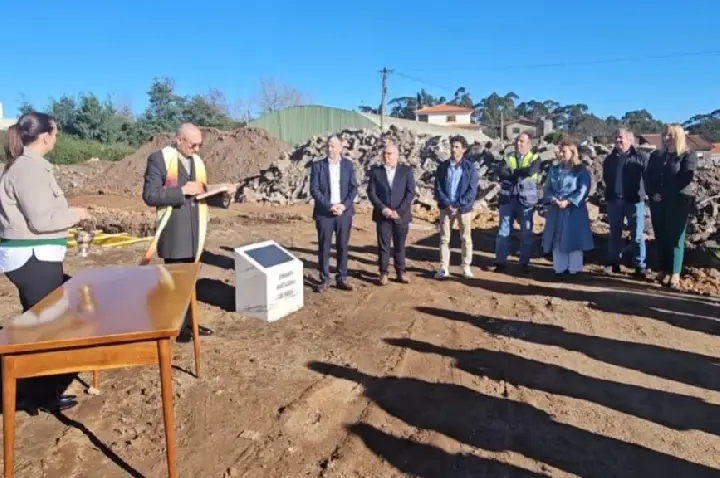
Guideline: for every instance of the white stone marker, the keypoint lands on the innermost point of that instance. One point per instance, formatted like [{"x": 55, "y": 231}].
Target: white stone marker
[{"x": 268, "y": 281}]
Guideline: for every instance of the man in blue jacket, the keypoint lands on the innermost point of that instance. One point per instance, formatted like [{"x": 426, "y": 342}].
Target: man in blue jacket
[
  {"x": 456, "y": 187},
  {"x": 333, "y": 186}
]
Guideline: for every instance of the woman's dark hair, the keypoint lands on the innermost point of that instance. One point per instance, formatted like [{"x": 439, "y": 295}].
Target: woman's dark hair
[{"x": 26, "y": 131}]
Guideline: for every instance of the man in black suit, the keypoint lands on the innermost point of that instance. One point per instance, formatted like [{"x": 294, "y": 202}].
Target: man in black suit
[
  {"x": 333, "y": 186},
  {"x": 391, "y": 189}
]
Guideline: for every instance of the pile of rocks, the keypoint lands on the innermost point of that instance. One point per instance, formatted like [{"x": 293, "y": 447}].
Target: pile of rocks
[
  {"x": 287, "y": 180},
  {"x": 705, "y": 222}
]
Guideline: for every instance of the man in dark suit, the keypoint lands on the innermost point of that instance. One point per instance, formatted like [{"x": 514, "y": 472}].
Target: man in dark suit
[
  {"x": 333, "y": 186},
  {"x": 391, "y": 189}
]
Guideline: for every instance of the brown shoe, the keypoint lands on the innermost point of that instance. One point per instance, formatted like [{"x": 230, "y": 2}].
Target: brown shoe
[
  {"x": 383, "y": 279},
  {"x": 401, "y": 278},
  {"x": 322, "y": 287},
  {"x": 344, "y": 285}
]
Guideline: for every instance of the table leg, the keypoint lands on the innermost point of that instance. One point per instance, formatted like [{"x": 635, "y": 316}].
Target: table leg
[
  {"x": 195, "y": 331},
  {"x": 167, "y": 401},
  {"x": 8, "y": 406},
  {"x": 96, "y": 379}
]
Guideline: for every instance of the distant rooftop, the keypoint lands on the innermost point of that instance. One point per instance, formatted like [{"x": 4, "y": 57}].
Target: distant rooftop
[
  {"x": 443, "y": 109},
  {"x": 695, "y": 142}
]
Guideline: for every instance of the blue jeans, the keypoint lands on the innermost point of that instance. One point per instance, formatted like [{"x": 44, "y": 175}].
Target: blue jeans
[
  {"x": 514, "y": 211},
  {"x": 618, "y": 210}
]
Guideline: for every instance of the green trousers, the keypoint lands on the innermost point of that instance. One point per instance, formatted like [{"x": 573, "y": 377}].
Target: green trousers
[{"x": 669, "y": 222}]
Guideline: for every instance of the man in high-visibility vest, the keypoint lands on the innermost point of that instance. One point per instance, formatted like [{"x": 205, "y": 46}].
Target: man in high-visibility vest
[{"x": 519, "y": 194}]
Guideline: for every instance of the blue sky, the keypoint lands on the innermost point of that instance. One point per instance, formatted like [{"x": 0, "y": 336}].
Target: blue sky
[{"x": 332, "y": 50}]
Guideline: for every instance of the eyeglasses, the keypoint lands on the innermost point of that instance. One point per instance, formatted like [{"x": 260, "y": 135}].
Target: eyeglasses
[{"x": 192, "y": 145}]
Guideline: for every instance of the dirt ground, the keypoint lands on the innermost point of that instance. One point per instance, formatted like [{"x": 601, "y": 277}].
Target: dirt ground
[{"x": 501, "y": 376}]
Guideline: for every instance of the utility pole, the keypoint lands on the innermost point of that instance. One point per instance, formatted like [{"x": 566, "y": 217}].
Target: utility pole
[
  {"x": 502, "y": 129},
  {"x": 385, "y": 72}
]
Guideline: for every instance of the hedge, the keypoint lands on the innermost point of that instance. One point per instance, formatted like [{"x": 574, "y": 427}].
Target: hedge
[{"x": 70, "y": 150}]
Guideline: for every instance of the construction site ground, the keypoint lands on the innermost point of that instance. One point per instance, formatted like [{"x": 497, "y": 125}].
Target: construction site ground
[{"x": 510, "y": 375}]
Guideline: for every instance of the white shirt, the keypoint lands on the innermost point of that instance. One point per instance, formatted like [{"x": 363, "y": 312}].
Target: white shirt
[
  {"x": 13, "y": 258},
  {"x": 334, "y": 181},
  {"x": 390, "y": 174}
]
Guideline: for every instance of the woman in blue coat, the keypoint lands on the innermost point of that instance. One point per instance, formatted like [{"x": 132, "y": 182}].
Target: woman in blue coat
[{"x": 567, "y": 224}]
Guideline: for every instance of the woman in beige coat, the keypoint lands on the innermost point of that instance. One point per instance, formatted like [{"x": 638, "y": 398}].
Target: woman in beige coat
[{"x": 34, "y": 223}]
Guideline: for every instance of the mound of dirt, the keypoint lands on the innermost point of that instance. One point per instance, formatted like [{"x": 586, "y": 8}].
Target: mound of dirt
[
  {"x": 112, "y": 221},
  {"x": 229, "y": 156}
]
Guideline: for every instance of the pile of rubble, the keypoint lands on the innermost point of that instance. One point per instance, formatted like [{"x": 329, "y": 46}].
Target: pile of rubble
[
  {"x": 704, "y": 226},
  {"x": 287, "y": 180}
]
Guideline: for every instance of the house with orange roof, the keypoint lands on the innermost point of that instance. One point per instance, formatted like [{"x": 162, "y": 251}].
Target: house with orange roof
[{"x": 447, "y": 115}]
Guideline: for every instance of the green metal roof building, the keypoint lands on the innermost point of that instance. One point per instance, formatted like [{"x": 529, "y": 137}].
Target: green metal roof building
[{"x": 297, "y": 124}]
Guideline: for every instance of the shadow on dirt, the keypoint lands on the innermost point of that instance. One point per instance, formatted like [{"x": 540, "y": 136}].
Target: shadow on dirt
[
  {"x": 685, "y": 367},
  {"x": 679, "y": 412},
  {"x": 427, "y": 461},
  {"x": 216, "y": 293},
  {"x": 97, "y": 443},
  {"x": 500, "y": 425},
  {"x": 678, "y": 310}
]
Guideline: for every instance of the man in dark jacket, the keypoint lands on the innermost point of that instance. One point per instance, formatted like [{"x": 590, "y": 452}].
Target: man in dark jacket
[
  {"x": 456, "y": 187},
  {"x": 333, "y": 187},
  {"x": 173, "y": 177},
  {"x": 391, "y": 189},
  {"x": 519, "y": 194},
  {"x": 623, "y": 175}
]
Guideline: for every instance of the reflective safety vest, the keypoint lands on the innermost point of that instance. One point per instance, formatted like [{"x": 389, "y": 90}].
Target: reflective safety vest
[
  {"x": 526, "y": 189},
  {"x": 527, "y": 160}
]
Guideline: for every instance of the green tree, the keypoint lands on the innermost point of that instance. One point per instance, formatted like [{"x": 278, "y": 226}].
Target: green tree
[
  {"x": 462, "y": 98},
  {"x": 706, "y": 124},
  {"x": 369, "y": 109},
  {"x": 591, "y": 125},
  {"x": 403, "y": 107},
  {"x": 568, "y": 117},
  {"x": 642, "y": 122},
  {"x": 488, "y": 111}
]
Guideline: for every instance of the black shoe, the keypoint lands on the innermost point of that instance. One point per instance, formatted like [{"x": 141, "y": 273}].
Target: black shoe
[
  {"x": 344, "y": 285},
  {"x": 640, "y": 273},
  {"x": 323, "y": 287},
  {"x": 64, "y": 402},
  {"x": 186, "y": 334},
  {"x": 184, "y": 337},
  {"x": 498, "y": 268},
  {"x": 525, "y": 267},
  {"x": 50, "y": 405},
  {"x": 612, "y": 269}
]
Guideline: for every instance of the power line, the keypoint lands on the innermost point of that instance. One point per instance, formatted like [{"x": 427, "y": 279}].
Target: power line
[
  {"x": 566, "y": 64},
  {"x": 424, "y": 82}
]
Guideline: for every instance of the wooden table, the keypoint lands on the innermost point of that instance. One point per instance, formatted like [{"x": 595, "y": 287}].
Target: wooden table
[{"x": 102, "y": 319}]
